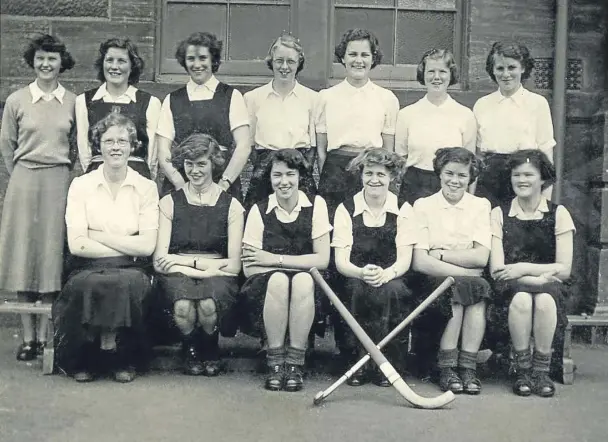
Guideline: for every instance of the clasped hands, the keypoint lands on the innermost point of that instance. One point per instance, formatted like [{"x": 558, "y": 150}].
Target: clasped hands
[
  {"x": 209, "y": 267},
  {"x": 376, "y": 276}
]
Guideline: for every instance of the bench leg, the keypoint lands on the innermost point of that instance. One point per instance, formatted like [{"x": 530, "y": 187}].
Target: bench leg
[
  {"x": 568, "y": 366},
  {"x": 48, "y": 357}
]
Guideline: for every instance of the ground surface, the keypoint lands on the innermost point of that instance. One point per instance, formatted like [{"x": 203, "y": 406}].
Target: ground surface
[{"x": 167, "y": 406}]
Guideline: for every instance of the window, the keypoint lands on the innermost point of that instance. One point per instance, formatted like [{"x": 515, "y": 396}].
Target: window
[
  {"x": 405, "y": 29},
  {"x": 246, "y": 27}
]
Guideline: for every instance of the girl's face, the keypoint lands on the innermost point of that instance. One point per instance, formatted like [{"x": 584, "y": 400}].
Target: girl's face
[
  {"x": 115, "y": 146},
  {"x": 198, "y": 63},
  {"x": 47, "y": 65},
  {"x": 199, "y": 171},
  {"x": 508, "y": 73},
  {"x": 454, "y": 179},
  {"x": 437, "y": 76},
  {"x": 117, "y": 66},
  {"x": 358, "y": 60},
  {"x": 285, "y": 64},
  {"x": 376, "y": 179},
  {"x": 526, "y": 181},
  {"x": 284, "y": 180}
]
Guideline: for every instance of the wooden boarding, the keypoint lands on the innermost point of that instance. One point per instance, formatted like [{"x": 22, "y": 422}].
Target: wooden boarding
[{"x": 36, "y": 308}]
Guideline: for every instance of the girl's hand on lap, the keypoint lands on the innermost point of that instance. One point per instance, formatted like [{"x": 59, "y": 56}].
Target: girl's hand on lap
[
  {"x": 510, "y": 271},
  {"x": 165, "y": 263},
  {"x": 253, "y": 256}
]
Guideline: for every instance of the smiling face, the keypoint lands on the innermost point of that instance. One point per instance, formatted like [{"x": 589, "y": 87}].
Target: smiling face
[
  {"x": 376, "y": 179},
  {"x": 284, "y": 180},
  {"x": 198, "y": 63},
  {"x": 526, "y": 181},
  {"x": 437, "y": 76},
  {"x": 454, "y": 179},
  {"x": 508, "y": 73},
  {"x": 358, "y": 60},
  {"x": 199, "y": 171},
  {"x": 117, "y": 66},
  {"x": 47, "y": 65},
  {"x": 285, "y": 64},
  {"x": 115, "y": 147}
]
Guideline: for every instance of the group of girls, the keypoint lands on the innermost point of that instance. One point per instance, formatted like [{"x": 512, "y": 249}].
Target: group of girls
[{"x": 389, "y": 250}]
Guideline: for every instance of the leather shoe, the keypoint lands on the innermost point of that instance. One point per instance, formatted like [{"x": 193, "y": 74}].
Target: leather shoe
[
  {"x": 380, "y": 379},
  {"x": 293, "y": 378},
  {"x": 542, "y": 384},
  {"x": 471, "y": 383},
  {"x": 275, "y": 380},
  {"x": 523, "y": 386},
  {"x": 124, "y": 375},
  {"x": 358, "y": 379},
  {"x": 450, "y": 381},
  {"x": 192, "y": 361},
  {"x": 83, "y": 376},
  {"x": 27, "y": 351},
  {"x": 212, "y": 368}
]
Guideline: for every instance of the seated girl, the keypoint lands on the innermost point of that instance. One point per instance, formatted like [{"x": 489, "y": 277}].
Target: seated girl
[
  {"x": 112, "y": 220},
  {"x": 455, "y": 240},
  {"x": 198, "y": 253},
  {"x": 285, "y": 235},
  {"x": 373, "y": 241},
  {"x": 532, "y": 252}
]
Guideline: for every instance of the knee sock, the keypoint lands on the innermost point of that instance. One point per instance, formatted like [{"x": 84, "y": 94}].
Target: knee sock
[
  {"x": 523, "y": 359},
  {"x": 275, "y": 356},
  {"x": 468, "y": 359},
  {"x": 541, "y": 361},
  {"x": 447, "y": 358},
  {"x": 295, "y": 356}
]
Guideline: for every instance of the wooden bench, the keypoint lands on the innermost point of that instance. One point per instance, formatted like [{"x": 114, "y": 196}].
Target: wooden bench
[
  {"x": 36, "y": 308},
  {"x": 595, "y": 322}
]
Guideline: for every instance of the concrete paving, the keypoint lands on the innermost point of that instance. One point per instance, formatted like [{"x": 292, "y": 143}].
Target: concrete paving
[{"x": 167, "y": 406}]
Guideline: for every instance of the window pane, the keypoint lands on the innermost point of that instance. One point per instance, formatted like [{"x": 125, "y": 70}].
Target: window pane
[
  {"x": 380, "y": 22},
  {"x": 364, "y": 2},
  {"x": 253, "y": 28},
  {"x": 184, "y": 19},
  {"x": 419, "y": 31}
]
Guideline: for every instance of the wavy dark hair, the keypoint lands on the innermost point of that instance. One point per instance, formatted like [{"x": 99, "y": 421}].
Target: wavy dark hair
[
  {"x": 459, "y": 155},
  {"x": 438, "y": 54},
  {"x": 137, "y": 62},
  {"x": 205, "y": 39},
  {"x": 196, "y": 146},
  {"x": 48, "y": 43},
  {"x": 380, "y": 157},
  {"x": 359, "y": 34},
  {"x": 292, "y": 158},
  {"x": 538, "y": 159},
  {"x": 111, "y": 120},
  {"x": 510, "y": 49}
]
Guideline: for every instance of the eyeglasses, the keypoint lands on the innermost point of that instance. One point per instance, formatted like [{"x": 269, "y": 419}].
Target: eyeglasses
[
  {"x": 111, "y": 143},
  {"x": 280, "y": 61}
]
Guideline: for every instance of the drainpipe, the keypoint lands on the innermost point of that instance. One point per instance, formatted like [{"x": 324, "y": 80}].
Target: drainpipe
[{"x": 559, "y": 92}]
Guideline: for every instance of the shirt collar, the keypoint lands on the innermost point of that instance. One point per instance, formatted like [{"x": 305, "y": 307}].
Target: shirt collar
[
  {"x": 102, "y": 93},
  {"x": 516, "y": 210},
  {"x": 361, "y": 206},
  {"x": 303, "y": 201},
  {"x": 296, "y": 91},
  {"x": 130, "y": 179},
  {"x": 210, "y": 85},
  {"x": 447, "y": 103},
  {"x": 38, "y": 93},
  {"x": 367, "y": 87},
  {"x": 518, "y": 97},
  {"x": 444, "y": 204}
]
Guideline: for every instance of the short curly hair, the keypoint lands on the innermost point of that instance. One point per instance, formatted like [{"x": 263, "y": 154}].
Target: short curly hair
[
  {"x": 196, "y": 146},
  {"x": 377, "y": 156},
  {"x": 289, "y": 41},
  {"x": 137, "y": 62},
  {"x": 510, "y": 49},
  {"x": 538, "y": 159},
  {"x": 292, "y": 158},
  {"x": 111, "y": 120},
  {"x": 48, "y": 43},
  {"x": 359, "y": 34},
  {"x": 459, "y": 155},
  {"x": 438, "y": 54},
  {"x": 205, "y": 39}
]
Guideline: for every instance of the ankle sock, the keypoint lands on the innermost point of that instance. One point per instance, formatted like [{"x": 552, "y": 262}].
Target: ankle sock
[
  {"x": 468, "y": 359},
  {"x": 295, "y": 356},
  {"x": 275, "y": 356},
  {"x": 541, "y": 361},
  {"x": 523, "y": 359},
  {"x": 448, "y": 358}
]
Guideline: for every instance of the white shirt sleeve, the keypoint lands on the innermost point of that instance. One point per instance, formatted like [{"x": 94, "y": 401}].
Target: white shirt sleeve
[
  {"x": 343, "y": 229},
  {"x": 482, "y": 225},
  {"x": 82, "y": 132},
  {"x": 149, "y": 209},
  {"x": 407, "y": 227},
  {"x": 422, "y": 226},
  {"x": 497, "y": 222},
  {"x": 165, "y": 126},
  {"x": 235, "y": 210},
  {"x": 545, "y": 129},
  {"x": 320, "y": 117},
  {"x": 237, "y": 113},
  {"x": 312, "y": 118},
  {"x": 564, "y": 222},
  {"x": 321, "y": 221},
  {"x": 166, "y": 207},
  {"x": 252, "y": 109},
  {"x": 391, "y": 113},
  {"x": 401, "y": 133},
  {"x": 470, "y": 131},
  {"x": 152, "y": 118},
  {"x": 76, "y": 211},
  {"x": 254, "y": 228}
]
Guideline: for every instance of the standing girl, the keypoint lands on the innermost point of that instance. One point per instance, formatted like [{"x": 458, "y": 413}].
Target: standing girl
[
  {"x": 35, "y": 141},
  {"x": 510, "y": 119},
  {"x": 531, "y": 255}
]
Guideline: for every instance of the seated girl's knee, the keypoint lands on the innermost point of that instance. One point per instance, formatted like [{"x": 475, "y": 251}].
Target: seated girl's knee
[
  {"x": 544, "y": 303},
  {"x": 302, "y": 282},
  {"x": 207, "y": 307},
  {"x": 278, "y": 282},
  {"x": 183, "y": 308},
  {"x": 522, "y": 302}
]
